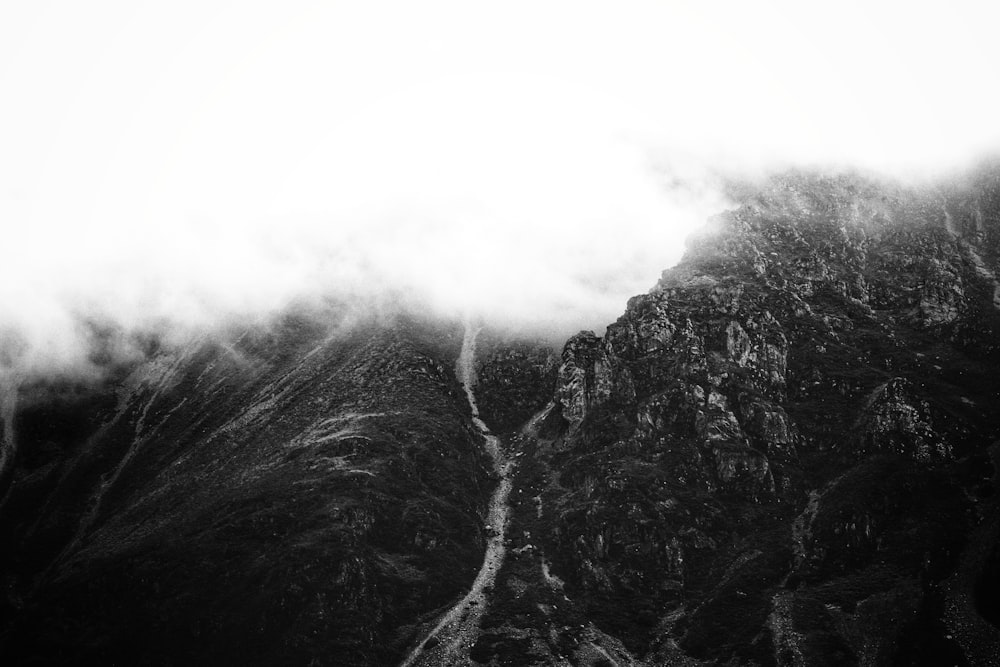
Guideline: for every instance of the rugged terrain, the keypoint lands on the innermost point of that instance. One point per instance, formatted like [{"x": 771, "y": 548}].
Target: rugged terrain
[
  {"x": 785, "y": 453},
  {"x": 283, "y": 495}
]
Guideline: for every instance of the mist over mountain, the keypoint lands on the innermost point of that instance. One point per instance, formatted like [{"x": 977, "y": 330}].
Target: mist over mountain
[
  {"x": 169, "y": 169},
  {"x": 536, "y": 334},
  {"x": 782, "y": 453}
]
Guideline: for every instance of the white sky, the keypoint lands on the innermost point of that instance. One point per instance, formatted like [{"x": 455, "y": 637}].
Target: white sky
[{"x": 185, "y": 159}]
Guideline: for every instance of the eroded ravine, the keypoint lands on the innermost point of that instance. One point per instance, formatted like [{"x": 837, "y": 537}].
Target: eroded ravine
[{"x": 448, "y": 643}]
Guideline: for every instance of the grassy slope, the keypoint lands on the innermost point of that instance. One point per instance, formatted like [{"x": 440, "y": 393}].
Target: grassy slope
[{"x": 287, "y": 495}]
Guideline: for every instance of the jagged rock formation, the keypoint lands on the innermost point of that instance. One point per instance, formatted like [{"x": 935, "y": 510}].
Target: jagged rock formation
[{"x": 777, "y": 455}]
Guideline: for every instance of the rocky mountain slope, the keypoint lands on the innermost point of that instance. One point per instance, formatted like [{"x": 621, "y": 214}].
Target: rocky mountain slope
[
  {"x": 303, "y": 492},
  {"x": 786, "y": 453},
  {"x": 783, "y": 454}
]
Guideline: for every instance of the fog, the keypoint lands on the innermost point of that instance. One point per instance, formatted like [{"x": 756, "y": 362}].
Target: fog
[{"x": 177, "y": 165}]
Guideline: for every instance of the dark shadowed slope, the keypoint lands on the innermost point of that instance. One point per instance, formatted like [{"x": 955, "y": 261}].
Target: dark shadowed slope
[
  {"x": 784, "y": 454},
  {"x": 449, "y": 640},
  {"x": 296, "y": 495}
]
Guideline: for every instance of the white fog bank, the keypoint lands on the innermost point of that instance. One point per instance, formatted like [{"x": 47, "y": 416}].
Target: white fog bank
[{"x": 532, "y": 163}]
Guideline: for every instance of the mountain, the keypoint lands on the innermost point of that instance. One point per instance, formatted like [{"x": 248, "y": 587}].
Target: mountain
[
  {"x": 306, "y": 489},
  {"x": 785, "y": 453}
]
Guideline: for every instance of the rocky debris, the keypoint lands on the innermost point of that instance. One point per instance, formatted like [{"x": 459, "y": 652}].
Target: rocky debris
[
  {"x": 896, "y": 422},
  {"x": 458, "y": 629}
]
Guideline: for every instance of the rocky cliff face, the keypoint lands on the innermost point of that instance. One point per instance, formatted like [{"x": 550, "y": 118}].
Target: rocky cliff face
[{"x": 777, "y": 455}]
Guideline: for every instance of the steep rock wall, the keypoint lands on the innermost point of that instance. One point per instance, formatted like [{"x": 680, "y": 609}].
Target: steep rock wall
[{"x": 777, "y": 447}]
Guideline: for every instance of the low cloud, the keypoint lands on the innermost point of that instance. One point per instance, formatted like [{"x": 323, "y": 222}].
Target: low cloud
[{"x": 176, "y": 168}]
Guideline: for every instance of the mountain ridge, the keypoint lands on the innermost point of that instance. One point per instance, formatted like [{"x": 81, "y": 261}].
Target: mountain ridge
[
  {"x": 823, "y": 351},
  {"x": 782, "y": 454}
]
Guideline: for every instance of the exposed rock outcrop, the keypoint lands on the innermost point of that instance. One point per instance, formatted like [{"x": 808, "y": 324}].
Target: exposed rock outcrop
[
  {"x": 593, "y": 387},
  {"x": 798, "y": 402},
  {"x": 896, "y": 422}
]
